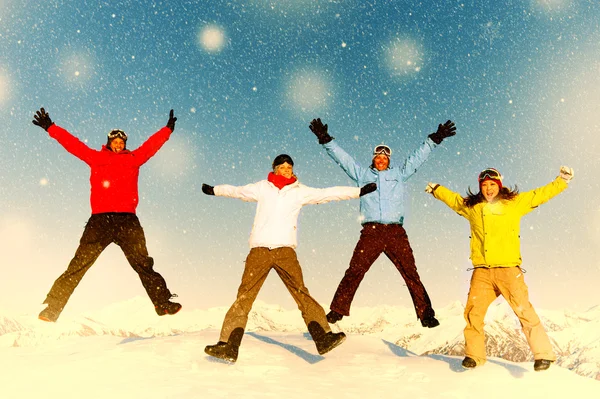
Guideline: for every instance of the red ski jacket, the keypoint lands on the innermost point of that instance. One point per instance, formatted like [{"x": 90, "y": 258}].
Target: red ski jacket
[{"x": 114, "y": 176}]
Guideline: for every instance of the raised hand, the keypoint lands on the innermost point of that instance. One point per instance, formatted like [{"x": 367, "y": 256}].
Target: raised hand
[
  {"x": 446, "y": 130},
  {"x": 208, "y": 190},
  {"x": 566, "y": 173},
  {"x": 368, "y": 188},
  {"x": 431, "y": 187},
  {"x": 42, "y": 119},
  {"x": 320, "y": 130},
  {"x": 171, "y": 122}
]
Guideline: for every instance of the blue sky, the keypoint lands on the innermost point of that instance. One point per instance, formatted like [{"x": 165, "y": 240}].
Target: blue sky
[{"x": 521, "y": 80}]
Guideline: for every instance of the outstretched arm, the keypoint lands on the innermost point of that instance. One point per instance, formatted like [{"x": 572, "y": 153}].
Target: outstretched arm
[
  {"x": 324, "y": 195},
  {"x": 248, "y": 193},
  {"x": 151, "y": 146},
  {"x": 71, "y": 143},
  {"x": 416, "y": 159},
  {"x": 453, "y": 200},
  {"x": 421, "y": 154},
  {"x": 352, "y": 169},
  {"x": 532, "y": 199}
]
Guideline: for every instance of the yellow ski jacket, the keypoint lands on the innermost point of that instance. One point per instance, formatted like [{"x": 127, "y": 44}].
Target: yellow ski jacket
[{"x": 495, "y": 226}]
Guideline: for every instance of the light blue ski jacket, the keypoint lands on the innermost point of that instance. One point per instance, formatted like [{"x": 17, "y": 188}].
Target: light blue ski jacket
[{"x": 386, "y": 204}]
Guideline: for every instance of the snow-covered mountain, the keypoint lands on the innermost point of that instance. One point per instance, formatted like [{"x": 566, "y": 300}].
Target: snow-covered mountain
[{"x": 574, "y": 335}]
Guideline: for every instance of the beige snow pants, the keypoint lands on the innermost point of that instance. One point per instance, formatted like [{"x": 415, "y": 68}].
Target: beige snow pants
[
  {"x": 486, "y": 286},
  {"x": 259, "y": 263}
]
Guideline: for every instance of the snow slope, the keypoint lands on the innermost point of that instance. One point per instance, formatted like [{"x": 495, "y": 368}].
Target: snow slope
[{"x": 126, "y": 351}]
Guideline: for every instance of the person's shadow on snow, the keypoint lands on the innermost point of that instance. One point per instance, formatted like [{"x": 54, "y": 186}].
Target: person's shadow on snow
[
  {"x": 398, "y": 350},
  {"x": 456, "y": 365},
  {"x": 134, "y": 339},
  {"x": 453, "y": 363},
  {"x": 513, "y": 369},
  {"x": 301, "y": 353}
]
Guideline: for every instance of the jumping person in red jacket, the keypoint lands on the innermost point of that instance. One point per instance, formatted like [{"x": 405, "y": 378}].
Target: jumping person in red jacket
[{"x": 114, "y": 199}]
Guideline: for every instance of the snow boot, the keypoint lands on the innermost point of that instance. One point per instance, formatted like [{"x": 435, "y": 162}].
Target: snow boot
[
  {"x": 168, "y": 307},
  {"x": 541, "y": 364},
  {"x": 430, "y": 322},
  {"x": 469, "y": 363},
  {"x": 229, "y": 350},
  {"x": 50, "y": 314},
  {"x": 333, "y": 317},
  {"x": 324, "y": 341}
]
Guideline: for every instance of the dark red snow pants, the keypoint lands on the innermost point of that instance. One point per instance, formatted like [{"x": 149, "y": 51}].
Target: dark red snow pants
[
  {"x": 391, "y": 239},
  {"x": 102, "y": 229}
]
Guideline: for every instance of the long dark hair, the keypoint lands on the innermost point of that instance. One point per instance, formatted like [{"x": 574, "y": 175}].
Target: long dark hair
[{"x": 505, "y": 194}]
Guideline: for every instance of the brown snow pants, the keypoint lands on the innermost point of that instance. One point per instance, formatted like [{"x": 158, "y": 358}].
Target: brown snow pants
[
  {"x": 486, "y": 286},
  {"x": 101, "y": 230},
  {"x": 259, "y": 263},
  {"x": 391, "y": 239}
]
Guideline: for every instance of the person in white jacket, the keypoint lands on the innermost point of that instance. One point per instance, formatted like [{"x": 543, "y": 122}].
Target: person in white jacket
[{"x": 272, "y": 246}]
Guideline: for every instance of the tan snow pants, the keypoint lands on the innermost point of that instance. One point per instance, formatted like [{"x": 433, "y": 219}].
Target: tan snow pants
[
  {"x": 486, "y": 286},
  {"x": 259, "y": 263}
]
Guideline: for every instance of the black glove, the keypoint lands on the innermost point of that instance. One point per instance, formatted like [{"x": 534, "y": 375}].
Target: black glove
[
  {"x": 446, "y": 130},
  {"x": 368, "y": 188},
  {"x": 208, "y": 190},
  {"x": 42, "y": 119},
  {"x": 171, "y": 122},
  {"x": 320, "y": 130}
]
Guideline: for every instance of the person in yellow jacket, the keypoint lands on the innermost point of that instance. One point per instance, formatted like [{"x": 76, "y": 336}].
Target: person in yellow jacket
[{"x": 495, "y": 214}]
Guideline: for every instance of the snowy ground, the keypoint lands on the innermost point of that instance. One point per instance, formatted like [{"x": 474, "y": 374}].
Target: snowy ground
[{"x": 272, "y": 364}]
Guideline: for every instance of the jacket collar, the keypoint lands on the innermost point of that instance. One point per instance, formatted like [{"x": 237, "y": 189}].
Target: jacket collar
[{"x": 105, "y": 148}]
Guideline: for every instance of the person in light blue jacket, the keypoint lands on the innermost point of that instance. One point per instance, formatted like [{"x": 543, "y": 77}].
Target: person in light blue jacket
[{"x": 382, "y": 216}]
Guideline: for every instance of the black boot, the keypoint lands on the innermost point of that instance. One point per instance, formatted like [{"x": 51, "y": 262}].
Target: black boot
[
  {"x": 469, "y": 363},
  {"x": 167, "y": 307},
  {"x": 333, "y": 317},
  {"x": 430, "y": 322},
  {"x": 324, "y": 341},
  {"x": 50, "y": 314},
  {"x": 229, "y": 350},
  {"x": 541, "y": 364}
]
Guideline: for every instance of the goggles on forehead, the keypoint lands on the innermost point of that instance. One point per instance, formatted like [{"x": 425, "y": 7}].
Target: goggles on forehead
[
  {"x": 382, "y": 149},
  {"x": 117, "y": 133},
  {"x": 490, "y": 173}
]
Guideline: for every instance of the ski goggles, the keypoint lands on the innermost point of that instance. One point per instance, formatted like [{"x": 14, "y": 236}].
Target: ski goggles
[
  {"x": 382, "y": 149},
  {"x": 490, "y": 173},
  {"x": 117, "y": 133}
]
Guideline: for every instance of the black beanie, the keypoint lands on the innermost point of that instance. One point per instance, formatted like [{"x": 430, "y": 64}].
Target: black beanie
[{"x": 281, "y": 159}]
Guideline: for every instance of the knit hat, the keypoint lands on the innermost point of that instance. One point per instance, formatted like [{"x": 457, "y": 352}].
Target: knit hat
[
  {"x": 281, "y": 159},
  {"x": 490, "y": 174}
]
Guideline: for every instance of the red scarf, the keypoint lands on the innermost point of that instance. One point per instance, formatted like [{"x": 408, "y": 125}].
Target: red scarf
[{"x": 280, "y": 181}]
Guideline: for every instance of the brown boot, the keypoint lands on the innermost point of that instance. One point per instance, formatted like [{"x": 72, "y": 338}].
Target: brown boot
[
  {"x": 541, "y": 364},
  {"x": 324, "y": 341},
  {"x": 229, "y": 350}
]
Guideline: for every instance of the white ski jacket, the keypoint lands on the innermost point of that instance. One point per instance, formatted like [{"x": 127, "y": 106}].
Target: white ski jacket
[{"x": 276, "y": 220}]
